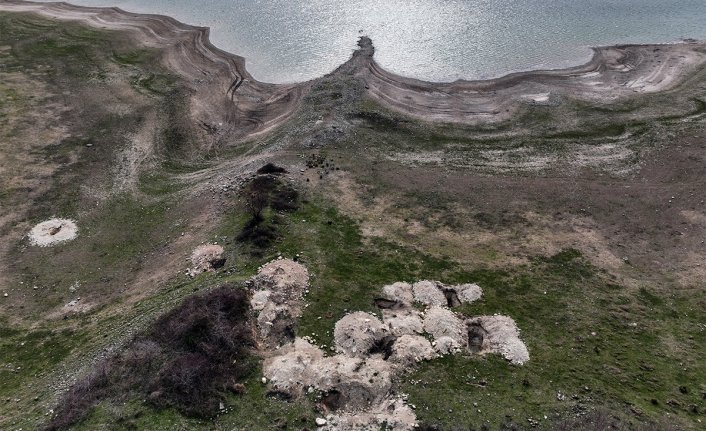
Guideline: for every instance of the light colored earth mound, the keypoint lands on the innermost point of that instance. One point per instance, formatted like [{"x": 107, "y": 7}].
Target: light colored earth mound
[
  {"x": 399, "y": 291},
  {"x": 356, "y": 333},
  {"x": 410, "y": 349},
  {"x": 356, "y": 384},
  {"x": 406, "y": 321},
  {"x": 293, "y": 371},
  {"x": 282, "y": 276},
  {"x": 468, "y": 293},
  {"x": 394, "y": 413},
  {"x": 275, "y": 323},
  {"x": 432, "y": 293},
  {"x": 446, "y": 346},
  {"x": 502, "y": 336},
  {"x": 52, "y": 232},
  {"x": 260, "y": 299},
  {"x": 362, "y": 382},
  {"x": 206, "y": 258},
  {"x": 440, "y": 323},
  {"x": 429, "y": 293},
  {"x": 278, "y": 295}
]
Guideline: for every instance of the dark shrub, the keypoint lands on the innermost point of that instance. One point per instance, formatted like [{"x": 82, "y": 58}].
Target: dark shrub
[
  {"x": 266, "y": 191},
  {"x": 259, "y": 234},
  {"x": 187, "y": 360},
  {"x": 271, "y": 168}
]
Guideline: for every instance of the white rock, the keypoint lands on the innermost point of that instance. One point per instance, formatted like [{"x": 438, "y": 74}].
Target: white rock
[{"x": 320, "y": 422}]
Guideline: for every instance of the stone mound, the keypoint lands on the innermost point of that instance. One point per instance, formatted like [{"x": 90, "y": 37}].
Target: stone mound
[
  {"x": 357, "y": 382},
  {"x": 357, "y": 334},
  {"x": 429, "y": 293},
  {"x": 394, "y": 413},
  {"x": 206, "y": 258},
  {"x": 355, "y": 385},
  {"x": 442, "y": 323},
  {"x": 468, "y": 293},
  {"x": 293, "y": 371},
  {"x": 400, "y": 291},
  {"x": 52, "y": 232},
  {"x": 406, "y": 321},
  {"x": 278, "y": 296},
  {"x": 500, "y": 335},
  {"x": 410, "y": 349}
]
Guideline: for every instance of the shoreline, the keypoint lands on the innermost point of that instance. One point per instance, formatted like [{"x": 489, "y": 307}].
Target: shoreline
[{"x": 613, "y": 73}]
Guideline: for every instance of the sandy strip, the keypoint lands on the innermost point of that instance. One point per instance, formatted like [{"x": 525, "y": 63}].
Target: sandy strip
[{"x": 226, "y": 93}]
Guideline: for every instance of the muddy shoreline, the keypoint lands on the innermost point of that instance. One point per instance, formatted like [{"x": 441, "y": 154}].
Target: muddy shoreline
[{"x": 225, "y": 93}]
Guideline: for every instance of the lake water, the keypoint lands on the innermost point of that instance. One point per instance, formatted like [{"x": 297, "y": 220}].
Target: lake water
[{"x": 437, "y": 40}]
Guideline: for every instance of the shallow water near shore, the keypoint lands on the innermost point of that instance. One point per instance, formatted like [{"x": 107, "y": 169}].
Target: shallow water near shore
[{"x": 435, "y": 40}]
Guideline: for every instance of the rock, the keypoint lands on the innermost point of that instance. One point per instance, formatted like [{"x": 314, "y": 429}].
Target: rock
[
  {"x": 264, "y": 380},
  {"x": 320, "y": 422}
]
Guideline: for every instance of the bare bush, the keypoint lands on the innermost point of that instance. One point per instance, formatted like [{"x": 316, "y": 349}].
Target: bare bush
[{"x": 187, "y": 360}]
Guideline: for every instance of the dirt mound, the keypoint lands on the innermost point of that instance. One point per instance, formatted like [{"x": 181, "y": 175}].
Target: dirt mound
[
  {"x": 293, "y": 372},
  {"x": 443, "y": 324},
  {"x": 406, "y": 321},
  {"x": 282, "y": 276},
  {"x": 394, "y": 413},
  {"x": 362, "y": 382},
  {"x": 52, "y": 232},
  {"x": 429, "y": 293},
  {"x": 468, "y": 293},
  {"x": 206, "y": 258},
  {"x": 357, "y": 383},
  {"x": 434, "y": 293},
  {"x": 278, "y": 295},
  {"x": 400, "y": 291},
  {"x": 498, "y": 334},
  {"x": 357, "y": 334},
  {"x": 410, "y": 349}
]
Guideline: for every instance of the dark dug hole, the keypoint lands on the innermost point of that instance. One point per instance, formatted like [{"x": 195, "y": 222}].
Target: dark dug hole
[
  {"x": 332, "y": 400},
  {"x": 476, "y": 336},
  {"x": 187, "y": 360},
  {"x": 388, "y": 304},
  {"x": 451, "y": 298},
  {"x": 383, "y": 346}
]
